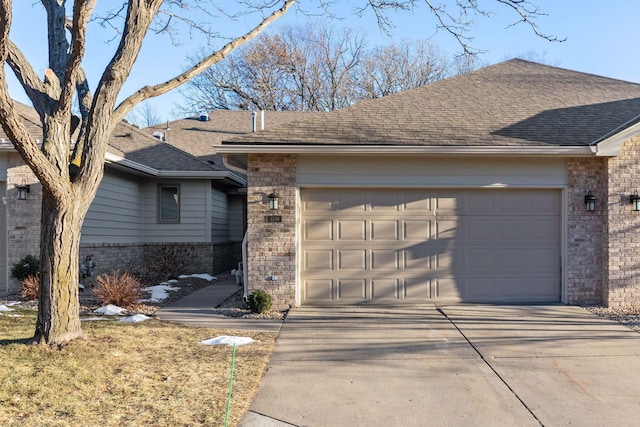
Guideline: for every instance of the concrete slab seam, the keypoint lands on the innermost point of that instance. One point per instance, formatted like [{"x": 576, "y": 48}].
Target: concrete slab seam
[
  {"x": 486, "y": 362},
  {"x": 274, "y": 419}
]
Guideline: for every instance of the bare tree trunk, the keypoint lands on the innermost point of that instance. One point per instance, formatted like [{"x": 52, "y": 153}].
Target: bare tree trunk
[{"x": 59, "y": 308}]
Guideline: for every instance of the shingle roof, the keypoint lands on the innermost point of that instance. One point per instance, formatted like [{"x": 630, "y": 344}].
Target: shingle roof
[
  {"x": 514, "y": 103},
  {"x": 130, "y": 143},
  {"x": 198, "y": 137}
]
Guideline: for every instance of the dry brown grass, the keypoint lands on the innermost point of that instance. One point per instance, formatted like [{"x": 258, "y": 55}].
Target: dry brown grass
[{"x": 145, "y": 374}]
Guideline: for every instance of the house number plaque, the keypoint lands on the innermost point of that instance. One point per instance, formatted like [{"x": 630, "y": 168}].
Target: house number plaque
[{"x": 273, "y": 218}]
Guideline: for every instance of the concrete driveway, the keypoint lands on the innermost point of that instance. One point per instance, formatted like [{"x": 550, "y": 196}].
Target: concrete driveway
[{"x": 459, "y": 365}]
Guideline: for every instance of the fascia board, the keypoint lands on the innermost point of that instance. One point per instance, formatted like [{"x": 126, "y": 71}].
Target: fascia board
[{"x": 563, "y": 151}]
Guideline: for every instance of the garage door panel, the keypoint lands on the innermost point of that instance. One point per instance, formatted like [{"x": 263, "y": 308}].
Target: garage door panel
[
  {"x": 480, "y": 230},
  {"x": 416, "y": 259},
  {"x": 318, "y": 290},
  {"x": 543, "y": 287},
  {"x": 416, "y": 202},
  {"x": 318, "y": 260},
  {"x": 384, "y": 229},
  {"x": 351, "y": 202},
  {"x": 351, "y": 289},
  {"x": 352, "y": 230},
  {"x": 318, "y": 229},
  {"x": 480, "y": 260},
  {"x": 418, "y": 288},
  {"x": 410, "y": 245},
  {"x": 385, "y": 288},
  {"x": 384, "y": 203},
  {"x": 319, "y": 201},
  {"x": 383, "y": 259},
  {"x": 416, "y": 230},
  {"x": 352, "y": 259}
]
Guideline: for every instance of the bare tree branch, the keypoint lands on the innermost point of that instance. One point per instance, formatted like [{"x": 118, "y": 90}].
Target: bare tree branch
[{"x": 152, "y": 91}]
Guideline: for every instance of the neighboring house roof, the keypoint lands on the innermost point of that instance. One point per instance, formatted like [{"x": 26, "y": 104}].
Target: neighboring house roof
[
  {"x": 512, "y": 104},
  {"x": 137, "y": 151},
  {"x": 198, "y": 137}
]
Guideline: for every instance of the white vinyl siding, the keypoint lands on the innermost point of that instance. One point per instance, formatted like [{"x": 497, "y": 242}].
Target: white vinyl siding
[
  {"x": 236, "y": 218},
  {"x": 115, "y": 216},
  {"x": 431, "y": 171},
  {"x": 219, "y": 216},
  {"x": 194, "y": 223}
]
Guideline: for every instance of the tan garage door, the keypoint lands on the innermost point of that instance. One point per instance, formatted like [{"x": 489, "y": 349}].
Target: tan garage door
[{"x": 414, "y": 246}]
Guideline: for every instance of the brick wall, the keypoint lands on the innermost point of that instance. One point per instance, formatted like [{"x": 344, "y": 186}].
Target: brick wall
[
  {"x": 205, "y": 257},
  {"x": 624, "y": 228},
  {"x": 586, "y": 231},
  {"x": 272, "y": 245},
  {"x": 23, "y": 216}
]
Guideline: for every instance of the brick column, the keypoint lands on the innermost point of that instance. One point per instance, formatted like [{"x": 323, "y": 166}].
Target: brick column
[
  {"x": 624, "y": 229},
  {"x": 586, "y": 231},
  {"x": 272, "y": 245}
]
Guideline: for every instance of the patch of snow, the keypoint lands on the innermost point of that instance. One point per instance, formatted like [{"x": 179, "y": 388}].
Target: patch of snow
[
  {"x": 5, "y": 308},
  {"x": 81, "y": 287},
  {"x": 158, "y": 292},
  {"x": 204, "y": 276},
  {"x": 10, "y": 303},
  {"x": 91, "y": 319},
  {"x": 136, "y": 318},
  {"x": 168, "y": 282},
  {"x": 13, "y": 315},
  {"x": 110, "y": 310},
  {"x": 228, "y": 340}
]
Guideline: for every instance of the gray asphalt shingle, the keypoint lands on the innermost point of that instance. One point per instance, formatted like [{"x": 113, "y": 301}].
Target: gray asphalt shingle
[{"x": 514, "y": 103}]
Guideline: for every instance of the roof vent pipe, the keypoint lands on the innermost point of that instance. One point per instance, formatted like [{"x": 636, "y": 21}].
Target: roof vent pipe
[{"x": 253, "y": 121}]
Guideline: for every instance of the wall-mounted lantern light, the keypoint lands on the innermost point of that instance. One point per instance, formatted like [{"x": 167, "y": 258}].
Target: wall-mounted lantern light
[
  {"x": 273, "y": 201},
  {"x": 590, "y": 202},
  {"x": 23, "y": 190},
  {"x": 634, "y": 199}
]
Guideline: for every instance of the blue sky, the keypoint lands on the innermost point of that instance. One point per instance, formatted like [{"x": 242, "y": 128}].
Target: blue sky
[{"x": 600, "y": 40}]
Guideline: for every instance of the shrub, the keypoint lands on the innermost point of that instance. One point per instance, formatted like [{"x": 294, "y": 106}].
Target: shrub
[
  {"x": 260, "y": 301},
  {"x": 121, "y": 290},
  {"x": 27, "y": 266},
  {"x": 167, "y": 262},
  {"x": 30, "y": 288}
]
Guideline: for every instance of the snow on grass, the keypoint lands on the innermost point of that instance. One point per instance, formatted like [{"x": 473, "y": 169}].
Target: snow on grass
[
  {"x": 92, "y": 319},
  {"x": 158, "y": 292},
  {"x": 5, "y": 308},
  {"x": 110, "y": 310},
  {"x": 204, "y": 276},
  {"x": 168, "y": 282},
  {"x": 136, "y": 318},
  {"x": 228, "y": 340}
]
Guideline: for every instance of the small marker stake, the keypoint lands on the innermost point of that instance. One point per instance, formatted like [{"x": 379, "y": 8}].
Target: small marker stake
[{"x": 233, "y": 364}]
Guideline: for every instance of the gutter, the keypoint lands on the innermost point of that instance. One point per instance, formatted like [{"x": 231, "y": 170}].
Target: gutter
[{"x": 562, "y": 151}]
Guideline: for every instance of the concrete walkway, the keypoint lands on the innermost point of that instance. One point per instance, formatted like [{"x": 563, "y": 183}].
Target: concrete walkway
[
  {"x": 196, "y": 309},
  {"x": 461, "y": 365}
]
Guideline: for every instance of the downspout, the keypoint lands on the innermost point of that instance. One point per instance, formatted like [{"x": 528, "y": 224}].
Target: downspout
[{"x": 245, "y": 272}]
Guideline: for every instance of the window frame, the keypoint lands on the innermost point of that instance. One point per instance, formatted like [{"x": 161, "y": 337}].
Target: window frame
[{"x": 160, "y": 205}]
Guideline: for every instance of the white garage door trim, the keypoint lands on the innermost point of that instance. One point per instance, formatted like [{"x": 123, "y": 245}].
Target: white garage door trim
[{"x": 478, "y": 256}]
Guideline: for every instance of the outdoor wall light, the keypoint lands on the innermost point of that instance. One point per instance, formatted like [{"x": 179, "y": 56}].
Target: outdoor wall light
[
  {"x": 273, "y": 201},
  {"x": 634, "y": 199},
  {"x": 590, "y": 202},
  {"x": 23, "y": 190}
]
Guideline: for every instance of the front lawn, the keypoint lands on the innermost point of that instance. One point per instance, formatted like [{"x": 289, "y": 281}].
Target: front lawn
[{"x": 151, "y": 373}]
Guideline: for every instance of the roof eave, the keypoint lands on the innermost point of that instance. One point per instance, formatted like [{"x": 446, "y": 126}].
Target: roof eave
[
  {"x": 560, "y": 151},
  {"x": 611, "y": 145}
]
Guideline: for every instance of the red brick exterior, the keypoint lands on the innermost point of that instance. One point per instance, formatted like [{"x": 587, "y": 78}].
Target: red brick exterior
[
  {"x": 586, "y": 231},
  {"x": 272, "y": 245},
  {"x": 623, "y": 228}
]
